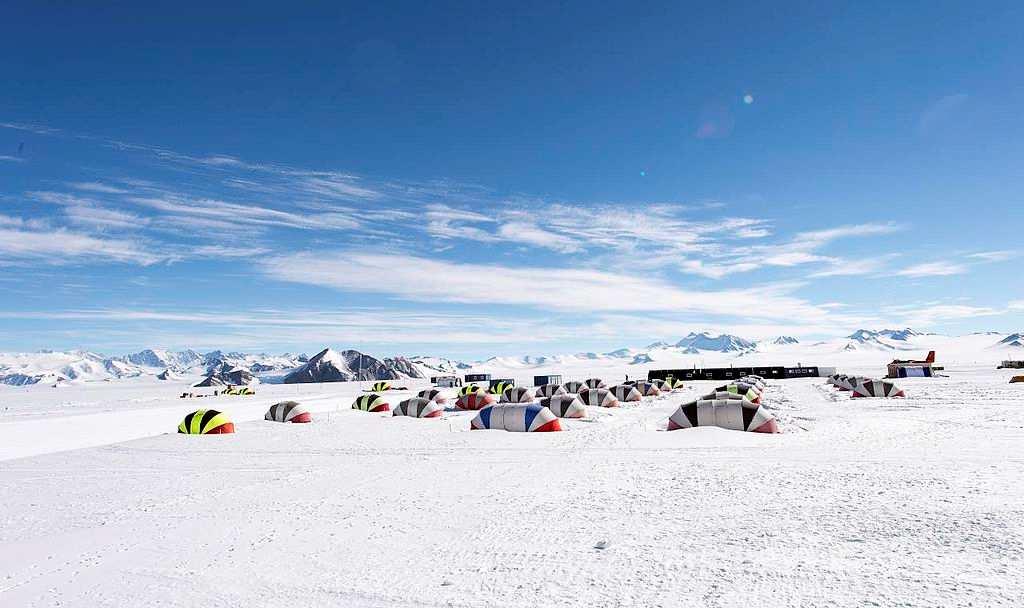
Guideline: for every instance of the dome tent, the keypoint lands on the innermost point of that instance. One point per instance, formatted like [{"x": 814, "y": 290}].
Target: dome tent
[
  {"x": 720, "y": 395},
  {"x": 206, "y": 422},
  {"x": 624, "y": 392},
  {"x": 381, "y": 386},
  {"x": 499, "y": 387},
  {"x": 573, "y": 386},
  {"x": 662, "y": 385},
  {"x": 469, "y": 389},
  {"x": 417, "y": 407},
  {"x": 549, "y": 390},
  {"x": 847, "y": 383},
  {"x": 532, "y": 418},
  {"x": 758, "y": 384},
  {"x": 288, "y": 411},
  {"x": 648, "y": 389},
  {"x": 516, "y": 394},
  {"x": 733, "y": 414},
  {"x": 598, "y": 397},
  {"x": 433, "y": 394},
  {"x": 371, "y": 403},
  {"x": 877, "y": 388},
  {"x": 595, "y": 383},
  {"x": 475, "y": 401},
  {"x": 742, "y": 389},
  {"x": 565, "y": 406}
]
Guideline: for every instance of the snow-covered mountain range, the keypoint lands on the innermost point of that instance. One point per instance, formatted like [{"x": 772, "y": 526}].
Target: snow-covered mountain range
[{"x": 19, "y": 369}]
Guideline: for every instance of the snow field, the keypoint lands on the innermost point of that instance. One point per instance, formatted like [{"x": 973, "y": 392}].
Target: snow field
[{"x": 912, "y": 502}]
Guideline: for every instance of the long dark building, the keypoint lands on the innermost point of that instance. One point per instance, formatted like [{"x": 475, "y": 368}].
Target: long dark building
[{"x": 732, "y": 373}]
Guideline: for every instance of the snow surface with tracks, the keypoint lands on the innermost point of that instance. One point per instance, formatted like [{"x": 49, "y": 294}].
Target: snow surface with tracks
[{"x": 899, "y": 502}]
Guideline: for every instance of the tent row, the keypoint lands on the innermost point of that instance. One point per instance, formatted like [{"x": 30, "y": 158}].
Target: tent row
[
  {"x": 735, "y": 406},
  {"x": 862, "y": 386}
]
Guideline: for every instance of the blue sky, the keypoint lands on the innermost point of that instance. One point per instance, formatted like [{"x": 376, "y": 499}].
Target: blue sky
[{"x": 468, "y": 180}]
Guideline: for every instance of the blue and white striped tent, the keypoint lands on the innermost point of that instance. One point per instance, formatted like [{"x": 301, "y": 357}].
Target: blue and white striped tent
[{"x": 532, "y": 418}]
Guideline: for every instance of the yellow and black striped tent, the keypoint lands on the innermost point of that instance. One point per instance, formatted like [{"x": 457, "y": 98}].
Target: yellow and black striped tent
[
  {"x": 206, "y": 422},
  {"x": 469, "y": 389},
  {"x": 238, "y": 390},
  {"x": 371, "y": 403},
  {"x": 499, "y": 387},
  {"x": 381, "y": 386}
]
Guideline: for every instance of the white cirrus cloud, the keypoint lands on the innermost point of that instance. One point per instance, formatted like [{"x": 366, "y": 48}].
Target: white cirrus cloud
[
  {"x": 994, "y": 256},
  {"x": 932, "y": 269},
  {"x": 420, "y": 279},
  {"x": 200, "y": 209},
  {"x": 97, "y": 187},
  {"x": 62, "y": 246}
]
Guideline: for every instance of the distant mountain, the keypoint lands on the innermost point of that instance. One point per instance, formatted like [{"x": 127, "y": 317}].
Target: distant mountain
[
  {"x": 783, "y": 340},
  {"x": 722, "y": 343},
  {"x": 623, "y": 353},
  {"x": 228, "y": 374},
  {"x": 1015, "y": 340},
  {"x": 641, "y": 359},
  {"x": 163, "y": 358},
  {"x": 435, "y": 366},
  {"x": 18, "y": 379},
  {"x": 899, "y": 334},
  {"x": 333, "y": 366}
]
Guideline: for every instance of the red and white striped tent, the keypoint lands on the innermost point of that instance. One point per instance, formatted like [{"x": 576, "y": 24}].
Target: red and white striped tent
[
  {"x": 624, "y": 392},
  {"x": 599, "y": 397},
  {"x": 532, "y": 418},
  {"x": 433, "y": 394},
  {"x": 565, "y": 406},
  {"x": 877, "y": 388},
  {"x": 288, "y": 411},
  {"x": 475, "y": 401},
  {"x": 549, "y": 390},
  {"x": 733, "y": 414},
  {"x": 516, "y": 394},
  {"x": 418, "y": 407}
]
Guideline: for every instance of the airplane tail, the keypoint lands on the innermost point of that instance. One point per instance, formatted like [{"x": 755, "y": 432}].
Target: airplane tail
[{"x": 931, "y": 357}]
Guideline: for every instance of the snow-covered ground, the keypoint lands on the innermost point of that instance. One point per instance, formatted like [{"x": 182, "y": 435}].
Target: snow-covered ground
[{"x": 912, "y": 502}]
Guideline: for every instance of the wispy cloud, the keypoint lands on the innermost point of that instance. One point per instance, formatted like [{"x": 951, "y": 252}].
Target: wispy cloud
[
  {"x": 30, "y": 128},
  {"x": 62, "y": 246},
  {"x": 994, "y": 256},
  {"x": 932, "y": 269},
  {"x": 258, "y": 328},
  {"x": 558, "y": 289},
  {"x": 926, "y": 314},
  {"x": 199, "y": 210},
  {"x": 104, "y": 218},
  {"x": 97, "y": 187},
  {"x": 12, "y": 159}
]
